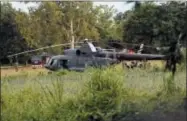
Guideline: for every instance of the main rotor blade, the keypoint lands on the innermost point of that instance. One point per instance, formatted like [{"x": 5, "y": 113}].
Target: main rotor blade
[
  {"x": 132, "y": 44},
  {"x": 42, "y": 49}
]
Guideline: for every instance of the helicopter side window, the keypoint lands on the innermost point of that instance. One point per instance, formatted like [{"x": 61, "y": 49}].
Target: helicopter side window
[
  {"x": 78, "y": 52},
  {"x": 64, "y": 63}
]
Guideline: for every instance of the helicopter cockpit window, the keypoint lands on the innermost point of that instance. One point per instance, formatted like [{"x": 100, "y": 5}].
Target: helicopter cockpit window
[{"x": 53, "y": 61}]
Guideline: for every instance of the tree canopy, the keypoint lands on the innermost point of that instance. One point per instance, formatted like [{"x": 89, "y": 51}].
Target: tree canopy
[
  {"x": 155, "y": 24},
  {"x": 62, "y": 22}
]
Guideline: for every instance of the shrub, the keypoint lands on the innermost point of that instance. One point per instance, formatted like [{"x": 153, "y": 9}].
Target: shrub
[{"x": 102, "y": 97}]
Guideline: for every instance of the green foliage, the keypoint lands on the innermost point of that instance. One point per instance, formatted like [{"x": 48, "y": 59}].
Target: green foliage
[
  {"x": 107, "y": 94},
  {"x": 54, "y": 23},
  {"x": 182, "y": 65},
  {"x": 103, "y": 94},
  {"x": 155, "y": 24},
  {"x": 62, "y": 72},
  {"x": 11, "y": 40},
  {"x": 106, "y": 25},
  {"x": 169, "y": 84},
  {"x": 59, "y": 22}
]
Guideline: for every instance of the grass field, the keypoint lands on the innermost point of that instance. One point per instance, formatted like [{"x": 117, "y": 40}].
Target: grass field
[
  {"x": 12, "y": 71},
  {"x": 111, "y": 94}
]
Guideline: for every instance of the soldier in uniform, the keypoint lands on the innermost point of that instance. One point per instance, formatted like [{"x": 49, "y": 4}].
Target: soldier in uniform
[{"x": 174, "y": 56}]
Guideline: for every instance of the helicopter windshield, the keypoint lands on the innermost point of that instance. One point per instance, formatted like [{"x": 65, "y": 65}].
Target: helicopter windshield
[{"x": 52, "y": 62}]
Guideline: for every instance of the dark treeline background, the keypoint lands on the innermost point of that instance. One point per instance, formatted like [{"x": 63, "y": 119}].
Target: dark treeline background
[{"x": 57, "y": 22}]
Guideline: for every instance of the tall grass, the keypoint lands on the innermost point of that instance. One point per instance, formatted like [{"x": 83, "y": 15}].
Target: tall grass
[
  {"x": 97, "y": 94},
  {"x": 102, "y": 94}
]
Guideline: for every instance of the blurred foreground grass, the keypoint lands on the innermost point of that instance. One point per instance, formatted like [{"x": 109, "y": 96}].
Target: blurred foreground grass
[{"x": 94, "y": 94}]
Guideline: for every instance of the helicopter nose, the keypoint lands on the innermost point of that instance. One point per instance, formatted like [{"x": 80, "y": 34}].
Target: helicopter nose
[{"x": 46, "y": 66}]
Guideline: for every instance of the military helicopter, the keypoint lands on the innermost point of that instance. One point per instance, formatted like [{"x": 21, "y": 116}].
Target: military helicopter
[
  {"x": 88, "y": 55},
  {"x": 79, "y": 58}
]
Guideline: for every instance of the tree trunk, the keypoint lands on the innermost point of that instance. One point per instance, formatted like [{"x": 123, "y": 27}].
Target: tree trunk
[
  {"x": 26, "y": 62},
  {"x": 72, "y": 35},
  {"x": 10, "y": 60},
  {"x": 151, "y": 40}
]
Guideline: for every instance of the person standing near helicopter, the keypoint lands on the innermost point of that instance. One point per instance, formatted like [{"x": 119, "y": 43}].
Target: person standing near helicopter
[{"x": 174, "y": 55}]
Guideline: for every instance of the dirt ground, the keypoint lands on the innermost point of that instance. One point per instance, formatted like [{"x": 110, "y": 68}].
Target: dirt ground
[{"x": 179, "y": 114}]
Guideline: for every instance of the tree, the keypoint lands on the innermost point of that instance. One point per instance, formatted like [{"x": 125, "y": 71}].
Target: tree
[
  {"x": 155, "y": 24},
  {"x": 42, "y": 26},
  {"x": 79, "y": 20},
  {"x": 137, "y": 4},
  {"x": 106, "y": 24},
  {"x": 11, "y": 40},
  {"x": 119, "y": 21}
]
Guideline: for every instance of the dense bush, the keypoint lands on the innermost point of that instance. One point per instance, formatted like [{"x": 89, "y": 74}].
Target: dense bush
[{"x": 103, "y": 94}]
